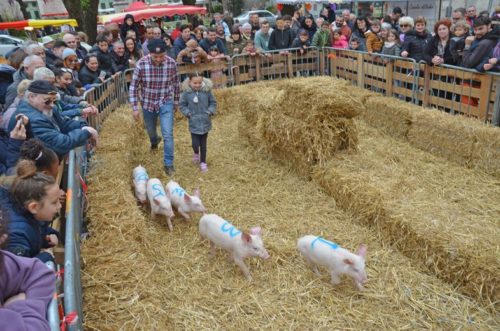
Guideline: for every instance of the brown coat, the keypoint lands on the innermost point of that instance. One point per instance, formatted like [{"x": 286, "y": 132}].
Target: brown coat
[{"x": 374, "y": 43}]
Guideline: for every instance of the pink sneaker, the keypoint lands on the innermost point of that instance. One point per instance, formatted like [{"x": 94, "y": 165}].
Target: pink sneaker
[
  {"x": 203, "y": 167},
  {"x": 196, "y": 158}
]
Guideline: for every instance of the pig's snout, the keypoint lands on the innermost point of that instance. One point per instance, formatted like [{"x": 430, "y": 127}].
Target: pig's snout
[{"x": 265, "y": 255}]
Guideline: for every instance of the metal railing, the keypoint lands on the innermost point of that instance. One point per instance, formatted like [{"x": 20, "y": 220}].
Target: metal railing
[{"x": 53, "y": 312}]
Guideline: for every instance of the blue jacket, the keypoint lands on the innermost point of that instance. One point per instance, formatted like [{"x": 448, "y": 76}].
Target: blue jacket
[
  {"x": 26, "y": 234},
  {"x": 68, "y": 109},
  {"x": 61, "y": 134},
  {"x": 9, "y": 151},
  {"x": 207, "y": 44},
  {"x": 179, "y": 45},
  {"x": 200, "y": 112}
]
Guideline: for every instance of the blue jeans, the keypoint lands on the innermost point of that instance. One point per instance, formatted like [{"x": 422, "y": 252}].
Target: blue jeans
[{"x": 166, "y": 115}]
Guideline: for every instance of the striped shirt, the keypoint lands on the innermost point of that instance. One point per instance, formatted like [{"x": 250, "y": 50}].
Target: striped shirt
[{"x": 157, "y": 84}]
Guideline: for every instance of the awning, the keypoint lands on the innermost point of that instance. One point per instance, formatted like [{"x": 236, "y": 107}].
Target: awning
[
  {"x": 36, "y": 24},
  {"x": 138, "y": 5},
  {"x": 157, "y": 11}
]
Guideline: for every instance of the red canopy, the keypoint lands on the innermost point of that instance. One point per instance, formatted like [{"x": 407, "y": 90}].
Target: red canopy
[
  {"x": 17, "y": 25},
  {"x": 138, "y": 5},
  {"x": 153, "y": 11}
]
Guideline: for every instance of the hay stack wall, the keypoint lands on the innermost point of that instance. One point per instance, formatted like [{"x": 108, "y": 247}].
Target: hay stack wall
[
  {"x": 356, "y": 193},
  {"x": 462, "y": 140}
]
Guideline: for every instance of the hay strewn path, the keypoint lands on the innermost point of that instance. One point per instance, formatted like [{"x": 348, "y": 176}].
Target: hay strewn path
[{"x": 138, "y": 276}]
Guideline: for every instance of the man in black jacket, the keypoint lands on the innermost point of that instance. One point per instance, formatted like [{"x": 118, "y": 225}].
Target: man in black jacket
[
  {"x": 480, "y": 46},
  {"x": 280, "y": 38},
  {"x": 101, "y": 49},
  {"x": 119, "y": 58}
]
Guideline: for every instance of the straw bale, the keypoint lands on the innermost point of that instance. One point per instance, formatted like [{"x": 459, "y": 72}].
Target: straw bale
[
  {"x": 390, "y": 115},
  {"x": 451, "y": 137},
  {"x": 486, "y": 150},
  {"x": 441, "y": 215},
  {"x": 138, "y": 276},
  {"x": 311, "y": 143}
]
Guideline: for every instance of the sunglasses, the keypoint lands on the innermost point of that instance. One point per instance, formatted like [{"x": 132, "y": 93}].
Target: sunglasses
[
  {"x": 49, "y": 101},
  {"x": 404, "y": 26}
]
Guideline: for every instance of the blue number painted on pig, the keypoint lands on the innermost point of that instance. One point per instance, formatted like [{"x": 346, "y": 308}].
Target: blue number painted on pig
[
  {"x": 142, "y": 176},
  {"x": 158, "y": 190},
  {"x": 227, "y": 227},
  {"x": 179, "y": 191},
  {"x": 329, "y": 243}
]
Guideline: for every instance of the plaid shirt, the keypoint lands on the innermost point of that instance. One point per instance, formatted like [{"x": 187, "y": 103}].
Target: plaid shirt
[{"x": 157, "y": 83}]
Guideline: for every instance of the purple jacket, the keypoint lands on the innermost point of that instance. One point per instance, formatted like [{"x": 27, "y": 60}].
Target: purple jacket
[{"x": 37, "y": 281}]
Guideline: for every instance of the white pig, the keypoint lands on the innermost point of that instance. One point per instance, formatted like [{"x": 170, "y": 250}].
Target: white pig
[
  {"x": 140, "y": 180},
  {"x": 160, "y": 204},
  {"x": 339, "y": 261},
  {"x": 183, "y": 202},
  {"x": 239, "y": 244}
]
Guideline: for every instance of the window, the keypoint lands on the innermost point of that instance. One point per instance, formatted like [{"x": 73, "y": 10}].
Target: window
[
  {"x": 37, "y": 14},
  {"x": 264, "y": 14},
  {"x": 7, "y": 41},
  {"x": 103, "y": 5}
]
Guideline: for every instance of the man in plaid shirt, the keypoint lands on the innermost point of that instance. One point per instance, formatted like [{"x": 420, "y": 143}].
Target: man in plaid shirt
[{"x": 155, "y": 78}]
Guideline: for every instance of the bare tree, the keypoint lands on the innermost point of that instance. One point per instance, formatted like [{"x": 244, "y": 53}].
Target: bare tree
[{"x": 85, "y": 13}]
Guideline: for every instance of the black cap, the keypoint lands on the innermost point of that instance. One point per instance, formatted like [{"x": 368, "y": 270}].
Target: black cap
[
  {"x": 42, "y": 87},
  {"x": 157, "y": 46}
]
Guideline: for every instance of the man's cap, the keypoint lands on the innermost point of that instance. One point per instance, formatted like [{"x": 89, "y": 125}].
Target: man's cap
[
  {"x": 157, "y": 46},
  {"x": 68, "y": 52},
  {"x": 47, "y": 39},
  {"x": 42, "y": 87}
]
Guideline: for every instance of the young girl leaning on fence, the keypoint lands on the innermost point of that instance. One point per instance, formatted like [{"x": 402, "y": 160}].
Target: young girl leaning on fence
[
  {"x": 198, "y": 104},
  {"x": 31, "y": 201}
]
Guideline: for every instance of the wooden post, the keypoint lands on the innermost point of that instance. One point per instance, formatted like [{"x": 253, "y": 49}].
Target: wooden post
[
  {"x": 258, "y": 72},
  {"x": 496, "y": 106},
  {"x": 388, "y": 78},
  {"x": 321, "y": 63},
  {"x": 360, "y": 82},
  {"x": 289, "y": 64},
  {"x": 484, "y": 96},
  {"x": 427, "y": 81}
]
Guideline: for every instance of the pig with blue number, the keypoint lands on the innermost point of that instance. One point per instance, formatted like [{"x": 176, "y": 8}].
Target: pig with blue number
[
  {"x": 240, "y": 245},
  {"x": 140, "y": 181},
  {"x": 339, "y": 261},
  {"x": 160, "y": 204},
  {"x": 184, "y": 203}
]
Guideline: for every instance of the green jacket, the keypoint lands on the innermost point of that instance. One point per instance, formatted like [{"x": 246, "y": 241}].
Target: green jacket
[{"x": 321, "y": 39}]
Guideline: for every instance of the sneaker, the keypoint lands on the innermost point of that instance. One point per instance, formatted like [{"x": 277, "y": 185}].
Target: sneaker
[
  {"x": 155, "y": 146},
  {"x": 196, "y": 158},
  {"x": 169, "y": 170},
  {"x": 203, "y": 167}
]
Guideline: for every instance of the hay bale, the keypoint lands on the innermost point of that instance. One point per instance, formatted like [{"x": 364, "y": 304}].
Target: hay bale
[
  {"x": 486, "y": 150},
  {"x": 392, "y": 116},
  {"x": 450, "y": 137},
  {"x": 311, "y": 143}
]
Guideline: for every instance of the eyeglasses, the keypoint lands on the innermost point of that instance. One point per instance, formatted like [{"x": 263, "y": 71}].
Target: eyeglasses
[{"x": 49, "y": 101}]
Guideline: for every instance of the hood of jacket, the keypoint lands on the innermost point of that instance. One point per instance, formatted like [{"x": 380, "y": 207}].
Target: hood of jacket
[
  {"x": 127, "y": 17},
  {"x": 205, "y": 87}
]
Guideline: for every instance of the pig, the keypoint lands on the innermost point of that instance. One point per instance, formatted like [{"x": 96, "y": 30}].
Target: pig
[
  {"x": 184, "y": 203},
  {"x": 339, "y": 261},
  {"x": 140, "y": 180},
  {"x": 239, "y": 244},
  {"x": 160, "y": 204}
]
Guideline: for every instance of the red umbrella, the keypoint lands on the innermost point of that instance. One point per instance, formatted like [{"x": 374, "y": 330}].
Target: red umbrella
[
  {"x": 153, "y": 12},
  {"x": 138, "y": 5}
]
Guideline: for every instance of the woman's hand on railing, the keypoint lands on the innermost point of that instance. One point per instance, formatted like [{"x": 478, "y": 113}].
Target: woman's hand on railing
[
  {"x": 437, "y": 60},
  {"x": 404, "y": 54}
]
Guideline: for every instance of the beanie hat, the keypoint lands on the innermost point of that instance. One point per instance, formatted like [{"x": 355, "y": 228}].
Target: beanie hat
[{"x": 68, "y": 52}]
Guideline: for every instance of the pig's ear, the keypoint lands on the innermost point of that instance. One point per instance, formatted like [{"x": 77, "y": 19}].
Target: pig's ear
[
  {"x": 156, "y": 201},
  {"x": 256, "y": 231},
  {"x": 362, "y": 250},
  {"x": 348, "y": 261},
  {"x": 246, "y": 238},
  {"x": 187, "y": 198},
  {"x": 197, "y": 192}
]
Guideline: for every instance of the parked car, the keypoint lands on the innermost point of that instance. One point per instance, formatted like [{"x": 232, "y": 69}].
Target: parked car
[
  {"x": 8, "y": 43},
  {"x": 263, "y": 15}
]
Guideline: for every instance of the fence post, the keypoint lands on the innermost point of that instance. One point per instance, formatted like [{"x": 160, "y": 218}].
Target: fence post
[
  {"x": 496, "y": 107},
  {"x": 484, "y": 97},
  {"x": 321, "y": 53},
  {"x": 289, "y": 64},
  {"x": 360, "y": 70},
  {"x": 388, "y": 78},
  {"x": 258, "y": 61},
  {"x": 427, "y": 82}
]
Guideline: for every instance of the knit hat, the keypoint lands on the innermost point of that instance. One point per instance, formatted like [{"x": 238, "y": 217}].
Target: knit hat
[{"x": 68, "y": 52}]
